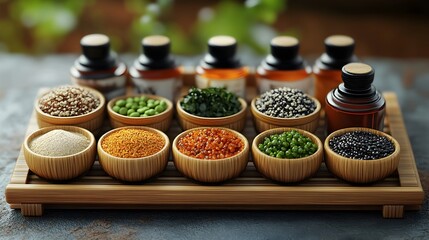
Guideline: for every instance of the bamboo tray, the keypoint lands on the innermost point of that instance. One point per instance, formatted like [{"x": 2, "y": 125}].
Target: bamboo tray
[{"x": 399, "y": 192}]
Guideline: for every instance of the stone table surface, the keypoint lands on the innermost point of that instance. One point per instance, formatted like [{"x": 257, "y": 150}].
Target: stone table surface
[{"x": 21, "y": 77}]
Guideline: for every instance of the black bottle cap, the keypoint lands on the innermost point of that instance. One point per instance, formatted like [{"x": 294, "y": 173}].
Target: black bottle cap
[
  {"x": 357, "y": 76},
  {"x": 284, "y": 54},
  {"x": 338, "y": 52},
  {"x": 221, "y": 53},
  {"x": 96, "y": 52},
  {"x": 155, "y": 53}
]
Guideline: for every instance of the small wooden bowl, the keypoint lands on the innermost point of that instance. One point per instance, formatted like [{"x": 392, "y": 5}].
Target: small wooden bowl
[
  {"x": 361, "y": 171},
  {"x": 264, "y": 122},
  {"x": 161, "y": 121},
  {"x": 283, "y": 169},
  {"x": 235, "y": 122},
  {"x": 61, "y": 167},
  {"x": 134, "y": 169},
  {"x": 211, "y": 171},
  {"x": 92, "y": 121}
]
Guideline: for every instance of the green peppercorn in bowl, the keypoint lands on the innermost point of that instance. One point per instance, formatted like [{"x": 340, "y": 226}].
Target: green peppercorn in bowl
[
  {"x": 287, "y": 155},
  {"x": 140, "y": 110},
  {"x": 72, "y": 106},
  {"x": 361, "y": 155},
  {"x": 285, "y": 107},
  {"x": 211, "y": 107}
]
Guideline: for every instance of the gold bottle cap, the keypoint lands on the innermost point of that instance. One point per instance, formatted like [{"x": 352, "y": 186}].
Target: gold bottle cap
[
  {"x": 155, "y": 40},
  {"x": 284, "y": 41},
  {"x": 94, "y": 40},
  {"x": 222, "y": 41},
  {"x": 339, "y": 40},
  {"x": 357, "y": 68}
]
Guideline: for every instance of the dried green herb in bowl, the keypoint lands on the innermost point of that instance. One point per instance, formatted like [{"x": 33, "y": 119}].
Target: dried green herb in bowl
[{"x": 210, "y": 102}]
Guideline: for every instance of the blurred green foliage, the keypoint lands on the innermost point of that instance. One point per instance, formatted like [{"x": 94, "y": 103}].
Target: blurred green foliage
[{"x": 38, "y": 26}]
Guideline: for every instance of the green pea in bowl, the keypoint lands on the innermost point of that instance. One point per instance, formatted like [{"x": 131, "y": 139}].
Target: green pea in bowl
[
  {"x": 285, "y": 164},
  {"x": 140, "y": 110}
]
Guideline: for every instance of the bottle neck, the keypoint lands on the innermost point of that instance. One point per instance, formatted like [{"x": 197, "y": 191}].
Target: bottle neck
[
  {"x": 352, "y": 100},
  {"x": 329, "y": 63}
]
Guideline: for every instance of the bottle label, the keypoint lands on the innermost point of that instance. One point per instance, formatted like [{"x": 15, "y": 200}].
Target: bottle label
[
  {"x": 265, "y": 85},
  {"x": 167, "y": 88},
  {"x": 109, "y": 87},
  {"x": 236, "y": 86}
]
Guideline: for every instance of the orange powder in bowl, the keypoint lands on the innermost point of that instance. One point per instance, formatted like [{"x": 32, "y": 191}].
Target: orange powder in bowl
[{"x": 132, "y": 143}]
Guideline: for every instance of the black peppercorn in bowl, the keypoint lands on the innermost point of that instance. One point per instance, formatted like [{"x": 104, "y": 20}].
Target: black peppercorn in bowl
[
  {"x": 71, "y": 106},
  {"x": 272, "y": 110},
  {"x": 271, "y": 150},
  {"x": 211, "y": 107},
  {"x": 361, "y": 155}
]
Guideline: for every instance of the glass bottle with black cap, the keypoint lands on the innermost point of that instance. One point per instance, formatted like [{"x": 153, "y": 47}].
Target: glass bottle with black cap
[
  {"x": 155, "y": 71},
  {"x": 220, "y": 67},
  {"x": 284, "y": 67},
  {"x": 356, "y": 102},
  {"x": 339, "y": 51},
  {"x": 98, "y": 67}
]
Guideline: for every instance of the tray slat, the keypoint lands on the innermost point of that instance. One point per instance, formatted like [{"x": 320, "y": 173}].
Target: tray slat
[{"x": 399, "y": 192}]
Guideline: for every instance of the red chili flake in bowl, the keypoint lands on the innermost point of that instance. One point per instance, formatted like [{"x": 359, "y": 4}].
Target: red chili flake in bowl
[{"x": 210, "y": 143}]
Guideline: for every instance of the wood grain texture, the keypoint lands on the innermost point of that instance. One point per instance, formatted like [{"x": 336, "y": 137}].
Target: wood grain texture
[
  {"x": 264, "y": 122},
  {"x": 92, "y": 121},
  {"x": 361, "y": 171},
  {"x": 161, "y": 121},
  {"x": 134, "y": 169},
  {"x": 170, "y": 190},
  {"x": 235, "y": 122},
  {"x": 62, "y": 167},
  {"x": 286, "y": 170},
  {"x": 211, "y": 171}
]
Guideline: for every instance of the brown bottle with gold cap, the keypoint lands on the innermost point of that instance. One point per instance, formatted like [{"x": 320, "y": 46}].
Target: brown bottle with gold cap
[
  {"x": 355, "y": 102},
  {"x": 327, "y": 69}
]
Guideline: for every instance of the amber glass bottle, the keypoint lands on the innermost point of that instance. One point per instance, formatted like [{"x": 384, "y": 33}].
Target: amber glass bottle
[
  {"x": 155, "y": 71},
  {"x": 283, "y": 67},
  {"x": 221, "y": 68},
  {"x": 99, "y": 68},
  {"x": 356, "y": 102},
  {"x": 327, "y": 69}
]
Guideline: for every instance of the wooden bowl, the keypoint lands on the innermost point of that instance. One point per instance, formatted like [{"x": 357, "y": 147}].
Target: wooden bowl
[
  {"x": 235, "y": 122},
  {"x": 283, "y": 169},
  {"x": 92, "y": 121},
  {"x": 61, "y": 167},
  {"x": 134, "y": 169},
  {"x": 211, "y": 171},
  {"x": 264, "y": 122},
  {"x": 161, "y": 121},
  {"x": 361, "y": 171}
]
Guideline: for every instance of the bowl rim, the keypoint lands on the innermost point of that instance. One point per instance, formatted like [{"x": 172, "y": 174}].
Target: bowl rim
[
  {"x": 241, "y": 136},
  {"x": 191, "y": 116},
  {"x": 162, "y": 134},
  {"x": 92, "y": 90},
  {"x": 68, "y": 128},
  {"x": 272, "y": 131},
  {"x": 329, "y": 151},
  {"x": 308, "y": 117},
  {"x": 116, "y": 115}
]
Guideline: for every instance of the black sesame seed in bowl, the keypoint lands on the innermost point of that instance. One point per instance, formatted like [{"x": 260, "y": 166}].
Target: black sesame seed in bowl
[
  {"x": 285, "y": 107},
  {"x": 361, "y": 155}
]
